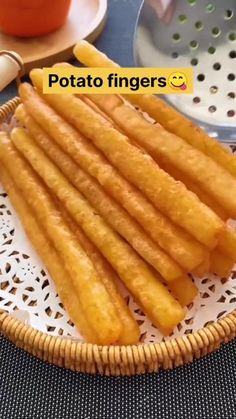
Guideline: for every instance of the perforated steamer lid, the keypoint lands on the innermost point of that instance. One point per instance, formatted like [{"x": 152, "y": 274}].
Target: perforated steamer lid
[{"x": 201, "y": 34}]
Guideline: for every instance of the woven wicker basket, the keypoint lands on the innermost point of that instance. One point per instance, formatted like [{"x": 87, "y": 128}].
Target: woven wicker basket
[{"x": 114, "y": 360}]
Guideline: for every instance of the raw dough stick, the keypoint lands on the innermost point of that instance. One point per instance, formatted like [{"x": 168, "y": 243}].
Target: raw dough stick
[
  {"x": 154, "y": 298},
  {"x": 50, "y": 258},
  {"x": 130, "y": 333},
  {"x": 95, "y": 301},
  {"x": 170, "y": 197},
  {"x": 166, "y": 115},
  {"x": 170, "y": 151},
  {"x": 175, "y": 241},
  {"x": 221, "y": 265},
  {"x": 111, "y": 211}
]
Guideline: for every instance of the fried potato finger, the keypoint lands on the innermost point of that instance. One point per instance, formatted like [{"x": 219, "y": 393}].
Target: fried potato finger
[
  {"x": 112, "y": 212},
  {"x": 178, "y": 124},
  {"x": 169, "y": 196},
  {"x": 203, "y": 196},
  {"x": 154, "y": 298},
  {"x": 221, "y": 265},
  {"x": 110, "y": 104},
  {"x": 184, "y": 290},
  {"x": 90, "y": 56},
  {"x": 87, "y": 100},
  {"x": 160, "y": 111},
  {"x": 50, "y": 258},
  {"x": 95, "y": 301},
  {"x": 166, "y": 148},
  {"x": 176, "y": 242},
  {"x": 203, "y": 269},
  {"x": 130, "y": 333},
  {"x": 227, "y": 242}
]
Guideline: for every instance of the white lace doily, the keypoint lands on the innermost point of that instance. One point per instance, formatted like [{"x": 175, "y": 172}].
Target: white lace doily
[{"x": 27, "y": 291}]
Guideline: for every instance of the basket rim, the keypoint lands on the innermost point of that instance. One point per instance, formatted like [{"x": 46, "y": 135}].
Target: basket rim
[{"x": 116, "y": 359}]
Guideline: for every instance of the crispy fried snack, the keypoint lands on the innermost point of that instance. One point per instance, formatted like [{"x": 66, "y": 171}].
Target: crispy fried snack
[
  {"x": 178, "y": 124},
  {"x": 50, "y": 258},
  {"x": 202, "y": 195},
  {"x": 95, "y": 300},
  {"x": 227, "y": 243},
  {"x": 87, "y": 100},
  {"x": 175, "y": 173},
  {"x": 175, "y": 241},
  {"x": 154, "y": 298},
  {"x": 221, "y": 265},
  {"x": 90, "y": 56},
  {"x": 169, "y": 196},
  {"x": 166, "y": 115},
  {"x": 130, "y": 333},
  {"x": 111, "y": 211},
  {"x": 166, "y": 148},
  {"x": 203, "y": 269},
  {"x": 184, "y": 290}
]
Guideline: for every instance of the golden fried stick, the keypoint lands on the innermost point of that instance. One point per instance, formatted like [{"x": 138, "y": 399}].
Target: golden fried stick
[
  {"x": 166, "y": 148},
  {"x": 154, "y": 298},
  {"x": 184, "y": 290},
  {"x": 95, "y": 300},
  {"x": 175, "y": 241},
  {"x": 130, "y": 332},
  {"x": 205, "y": 198},
  {"x": 90, "y": 56},
  {"x": 220, "y": 264},
  {"x": 202, "y": 269},
  {"x": 112, "y": 212},
  {"x": 166, "y": 115},
  {"x": 178, "y": 124},
  {"x": 227, "y": 242},
  {"x": 175, "y": 122},
  {"x": 169, "y": 196},
  {"x": 174, "y": 172},
  {"x": 87, "y": 100},
  {"x": 50, "y": 258},
  {"x": 202, "y": 195},
  {"x": 113, "y": 105},
  {"x": 187, "y": 291}
]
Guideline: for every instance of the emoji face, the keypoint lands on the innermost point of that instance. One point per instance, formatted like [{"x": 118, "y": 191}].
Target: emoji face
[{"x": 177, "y": 81}]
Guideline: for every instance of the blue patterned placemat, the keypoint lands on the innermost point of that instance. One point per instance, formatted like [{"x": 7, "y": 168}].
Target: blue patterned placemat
[{"x": 32, "y": 389}]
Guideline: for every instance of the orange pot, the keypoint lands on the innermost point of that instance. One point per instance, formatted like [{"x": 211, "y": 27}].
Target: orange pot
[{"x": 29, "y": 18}]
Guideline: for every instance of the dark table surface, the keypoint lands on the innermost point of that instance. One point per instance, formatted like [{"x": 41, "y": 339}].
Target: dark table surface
[{"x": 32, "y": 389}]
